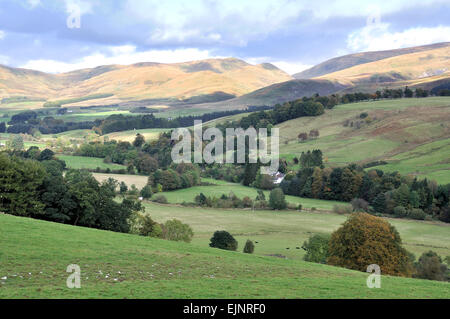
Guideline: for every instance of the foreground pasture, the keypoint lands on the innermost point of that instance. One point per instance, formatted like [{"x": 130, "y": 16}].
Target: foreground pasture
[
  {"x": 281, "y": 232},
  {"x": 34, "y": 256}
]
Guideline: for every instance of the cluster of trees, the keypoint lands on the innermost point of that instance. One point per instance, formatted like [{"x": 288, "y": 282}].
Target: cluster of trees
[
  {"x": 276, "y": 201},
  {"x": 28, "y": 122},
  {"x": 280, "y": 113},
  {"x": 391, "y": 193},
  {"x": 364, "y": 240},
  {"x": 224, "y": 201},
  {"x": 224, "y": 240},
  {"x": 32, "y": 184},
  {"x": 173, "y": 229},
  {"x": 178, "y": 176},
  {"x": 146, "y": 158},
  {"x": 117, "y": 123}
]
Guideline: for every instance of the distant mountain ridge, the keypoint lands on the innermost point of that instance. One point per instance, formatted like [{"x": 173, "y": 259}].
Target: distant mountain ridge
[
  {"x": 146, "y": 80},
  {"x": 350, "y": 60}
]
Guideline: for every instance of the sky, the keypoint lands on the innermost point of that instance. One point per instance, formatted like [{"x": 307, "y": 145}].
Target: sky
[{"x": 64, "y": 35}]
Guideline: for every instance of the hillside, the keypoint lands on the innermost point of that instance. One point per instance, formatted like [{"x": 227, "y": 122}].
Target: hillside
[
  {"x": 411, "y": 135},
  {"x": 279, "y": 93},
  {"x": 35, "y": 255},
  {"x": 217, "y": 77},
  {"x": 411, "y": 66},
  {"x": 350, "y": 60}
]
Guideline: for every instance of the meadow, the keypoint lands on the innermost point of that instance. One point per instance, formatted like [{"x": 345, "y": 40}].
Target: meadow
[
  {"x": 35, "y": 255},
  {"x": 410, "y": 134},
  {"x": 284, "y": 232},
  {"x": 217, "y": 188},
  {"x": 79, "y": 162}
]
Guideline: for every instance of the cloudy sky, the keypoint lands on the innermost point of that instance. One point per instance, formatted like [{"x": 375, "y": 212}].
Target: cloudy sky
[{"x": 63, "y": 35}]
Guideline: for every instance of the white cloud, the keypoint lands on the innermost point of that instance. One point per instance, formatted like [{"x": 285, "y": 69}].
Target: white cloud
[
  {"x": 2, "y": 34},
  {"x": 4, "y": 59},
  {"x": 375, "y": 37},
  {"x": 33, "y": 3},
  {"x": 290, "y": 67},
  {"x": 124, "y": 55}
]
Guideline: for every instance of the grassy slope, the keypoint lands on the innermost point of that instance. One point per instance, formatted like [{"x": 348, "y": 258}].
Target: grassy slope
[
  {"x": 35, "y": 254},
  {"x": 144, "y": 80},
  {"x": 281, "y": 232},
  {"x": 413, "y": 134},
  {"x": 409, "y": 66},
  {"x": 78, "y": 162},
  {"x": 223, "y": 187},
  {"x": 348, "y": 61}
]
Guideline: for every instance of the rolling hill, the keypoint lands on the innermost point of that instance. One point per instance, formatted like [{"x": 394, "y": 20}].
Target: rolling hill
[
  {"x": 348, "y": 61},
  {"x": 410, "y": 135},
  {"x": 35, "y": 255},
  {"x": 412, "y": 66},
  {"x": 209, "y": 80}
]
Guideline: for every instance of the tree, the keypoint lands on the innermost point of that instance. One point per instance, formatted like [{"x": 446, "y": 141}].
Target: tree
[
  {"x": 364, "y": 240},
  {"x": 249, "y": 247},
  {"x": 316, "y": 248},
  {"x": 123, "y": 188},
  {"x": 146, "y": 164},
  {"x": 430, "y": 267},
  {"x": 16, "y": 142},
  {"x": 177, "y": 231},
  {"x": 303, "y": 136},
  {"x": 46, "y": 155},
  {"x": 314, "y": 134},
  {"x": 139, "y": 140},
  {"x": 20, "y": 186},
  {"x": 146, "y": 192},
  {"x": 277, "y": 199},
  {"x": 408, "y": 92},
  {"x": 223, "y": 240}
]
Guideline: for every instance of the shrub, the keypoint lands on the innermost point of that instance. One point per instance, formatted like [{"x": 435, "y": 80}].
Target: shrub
[
  {"x": 277, "y": 200},
  {"x": 364, "y": 240},
  {"x": 161, "y": 199},
  {"x": 400, "y": 211},
  {"x": 249, "y": 247},
  {"x": 177, "y": 231},
  {"x": 247, "y": 202},
  {"x": 291, "y": 206},
  {"x": 316, "y": 248},
  {"x": 342, "y": 209},
  {"x": 146, "y": 192},
  {"x": 417, "y": 213},
  {"x": 430, "y": 267},
  {"x": 299, "y": 207},
  {"x": 123, "y": 188},
  {"x": 143, "y": 225},
  {"x": 360, "y": 205},
  {"x": 223, "y": 240}
]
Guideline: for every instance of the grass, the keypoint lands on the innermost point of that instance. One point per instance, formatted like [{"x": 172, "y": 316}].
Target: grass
[
  {"x": 411, "y": 134},
  {"x": 281, "y": 232},
  {"x": 79, "y": 162},
  {"x": 138, "y": 180},
  {"x": 129, "y": 136},
  {"x": 223, "y": 187},
  {"x": 35, "y": 255}
]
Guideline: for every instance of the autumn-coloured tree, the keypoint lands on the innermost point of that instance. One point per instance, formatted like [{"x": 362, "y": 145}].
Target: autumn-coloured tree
[
  {"x": 364, "y": 240},
  {"x": 303, "y": 136},
  {"x": 314, "y": 134}
]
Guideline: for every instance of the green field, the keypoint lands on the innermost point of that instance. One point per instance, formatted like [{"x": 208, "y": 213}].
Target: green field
[
  {"x": 79, "y": 162},
  {"x": 411, "y": 134},
  {"x": 35, "y": 255},
  {"x": 223, "y": 187},
  {"x": 281, "y": 232}
]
